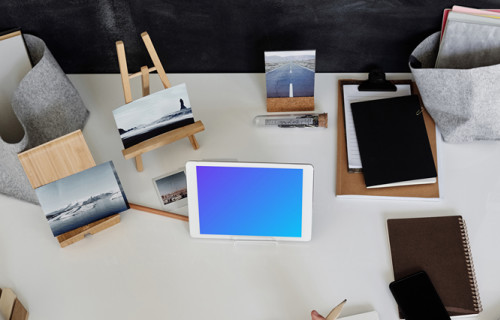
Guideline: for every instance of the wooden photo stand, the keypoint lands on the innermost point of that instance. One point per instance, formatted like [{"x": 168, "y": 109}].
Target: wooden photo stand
[
  {"x": 58, "y": 159},
  {"x": 290, "y": 104},
  {"x": 163, "y": 139},
  {"x": 10, "y": 307}
]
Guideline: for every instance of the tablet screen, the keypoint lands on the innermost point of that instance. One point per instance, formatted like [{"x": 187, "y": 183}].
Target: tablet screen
[{"x": 250, "y": 201}]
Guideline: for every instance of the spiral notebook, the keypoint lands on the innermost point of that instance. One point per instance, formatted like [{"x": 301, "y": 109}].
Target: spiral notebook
[{"x": 440, "y": 247}]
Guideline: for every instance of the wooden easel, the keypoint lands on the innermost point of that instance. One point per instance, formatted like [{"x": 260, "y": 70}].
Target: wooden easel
[
  {"x": 58, "y": 159},
  {"x": 163, "y": 139}
]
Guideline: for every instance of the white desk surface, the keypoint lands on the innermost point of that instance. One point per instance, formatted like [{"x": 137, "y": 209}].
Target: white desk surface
[{"x": 147, "y": 266}]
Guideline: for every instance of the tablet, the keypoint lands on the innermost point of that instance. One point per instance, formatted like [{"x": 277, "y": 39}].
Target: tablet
[{"x": 250, "y": 201}]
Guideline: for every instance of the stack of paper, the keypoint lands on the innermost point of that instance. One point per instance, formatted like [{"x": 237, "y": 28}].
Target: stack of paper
[{"x": 470, "y": 38}]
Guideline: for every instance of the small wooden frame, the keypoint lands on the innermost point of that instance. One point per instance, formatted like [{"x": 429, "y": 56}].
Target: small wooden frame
[
  {"x": 137, "y": 150},
  {"x": 58, "y": 159},
  {"x": 10, "y": 307}
]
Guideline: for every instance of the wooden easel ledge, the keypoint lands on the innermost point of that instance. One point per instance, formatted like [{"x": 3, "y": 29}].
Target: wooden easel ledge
[
  {"x": 78, "y": 234},
  {"x": 164, "y": 139}
]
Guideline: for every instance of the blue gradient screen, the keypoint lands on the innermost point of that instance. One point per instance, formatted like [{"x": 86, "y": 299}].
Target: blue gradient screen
[{"x": 250, "y": 201}]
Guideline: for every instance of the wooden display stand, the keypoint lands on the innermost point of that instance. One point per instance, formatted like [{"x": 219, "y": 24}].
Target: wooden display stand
[
  {"x": 10, "y": 307},
  {"x": 290, "y": 104},
  {"x": 163, "y": 139},
  {"x": 58, "y": 159}
]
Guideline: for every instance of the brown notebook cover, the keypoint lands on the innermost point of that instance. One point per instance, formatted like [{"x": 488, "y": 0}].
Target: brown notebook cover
[
  {"x": 353, "y": 183},
  {"x": 440, "y": 247}
]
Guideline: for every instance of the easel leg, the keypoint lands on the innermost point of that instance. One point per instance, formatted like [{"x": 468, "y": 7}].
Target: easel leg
[
  {"x": 145, "y": 80},
  {"x": 122, "y": 61},
  {"x": 194, "y": 143},
  {"x": 138, "y": 163},
  {"x": 156, "y": 60}
]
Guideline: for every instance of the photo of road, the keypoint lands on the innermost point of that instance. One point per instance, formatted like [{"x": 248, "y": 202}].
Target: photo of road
[
  {"x": 290, "y": 80},
  {"x": 290, "y": 74}
]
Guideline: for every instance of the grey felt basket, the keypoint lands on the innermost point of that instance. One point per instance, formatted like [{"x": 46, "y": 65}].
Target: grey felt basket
[
  {"x": 47, "y": 106},
  {"x": 464, "y": 103}
]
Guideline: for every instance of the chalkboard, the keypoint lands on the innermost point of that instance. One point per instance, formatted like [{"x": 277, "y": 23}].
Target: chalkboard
[{"x": 230, "y": 35}]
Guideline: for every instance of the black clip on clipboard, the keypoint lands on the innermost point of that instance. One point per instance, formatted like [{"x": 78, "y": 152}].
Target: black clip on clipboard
[{"x": 377, "y": 82}]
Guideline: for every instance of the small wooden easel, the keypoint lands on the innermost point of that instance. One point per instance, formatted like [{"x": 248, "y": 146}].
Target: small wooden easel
[
  {"x": 58, "y": 159},
  {"x": 163, "y": 139}
]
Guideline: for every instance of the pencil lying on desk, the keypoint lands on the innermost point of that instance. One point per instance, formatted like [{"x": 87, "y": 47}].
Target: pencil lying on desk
[
  {"x": 334, "y": 314},
  {"x": 158, "y": 212}
]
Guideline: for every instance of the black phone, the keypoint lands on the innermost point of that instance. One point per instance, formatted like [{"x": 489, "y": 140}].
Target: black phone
[{"x": 417, "y": 298}]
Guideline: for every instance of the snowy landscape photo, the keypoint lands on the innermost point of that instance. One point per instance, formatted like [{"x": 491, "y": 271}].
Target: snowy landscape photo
[
  {"x": 82, "y": 198},
  {"x": 153, "y": 115}
]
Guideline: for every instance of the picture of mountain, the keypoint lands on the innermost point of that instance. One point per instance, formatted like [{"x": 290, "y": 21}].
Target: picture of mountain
[
  {"x": 153, "y": 115},
  {"x": 82, "y": 198}
]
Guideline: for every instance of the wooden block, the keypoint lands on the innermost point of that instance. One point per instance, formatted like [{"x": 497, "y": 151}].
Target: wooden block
[
  {"x": 290, "y": 104},
  {"x": 7, "y": 302},
  {"x": 19, "y": 312},
  {"x": 56, "y": 159},
  {"x": 16, "y": 311},
  {"x": 163, "y": 139},
  {"x": 78, "y": 234}
]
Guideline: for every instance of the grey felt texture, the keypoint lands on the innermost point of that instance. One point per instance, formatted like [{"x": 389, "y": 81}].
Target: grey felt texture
[
  {"x": 469, "y": 41},
  {"x": 464, "y": 103},
  {"x": 48, "y": 106}
]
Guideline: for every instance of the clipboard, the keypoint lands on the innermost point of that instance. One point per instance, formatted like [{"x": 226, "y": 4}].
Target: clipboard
[{"x": 352, "y": 184}]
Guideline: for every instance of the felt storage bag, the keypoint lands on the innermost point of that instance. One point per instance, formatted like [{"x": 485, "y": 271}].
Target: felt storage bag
[
  {"x": 464, "y": 103},
  {"x": 48, "y": 106}
]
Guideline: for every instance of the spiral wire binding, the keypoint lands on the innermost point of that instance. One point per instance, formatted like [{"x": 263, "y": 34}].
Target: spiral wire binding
[{"x": 470, "y": 266}]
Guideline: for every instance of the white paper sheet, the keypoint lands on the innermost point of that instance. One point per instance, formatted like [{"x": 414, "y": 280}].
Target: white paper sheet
[{"x": 372, "y": 315}]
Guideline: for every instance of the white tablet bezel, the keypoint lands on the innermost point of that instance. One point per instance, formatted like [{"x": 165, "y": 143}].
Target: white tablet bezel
[{"x": 307, "y": 195}]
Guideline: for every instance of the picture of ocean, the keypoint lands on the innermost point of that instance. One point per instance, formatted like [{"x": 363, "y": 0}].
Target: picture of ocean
[{"x": 82, "y": 198}]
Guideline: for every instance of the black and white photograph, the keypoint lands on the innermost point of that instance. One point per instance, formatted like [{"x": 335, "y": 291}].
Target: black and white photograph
[
  {"x": 82, "y": 198},
  {"x": 153, "y": 115},
  {"x": 290, "y": 74},
  {"x": 172, "y": 191}
]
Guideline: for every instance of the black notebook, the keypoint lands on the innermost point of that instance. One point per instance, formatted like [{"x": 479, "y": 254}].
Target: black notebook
[{"x": 393, "y": 142}]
